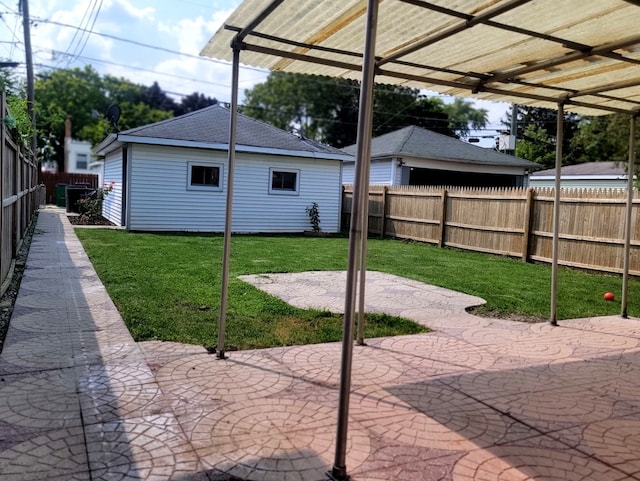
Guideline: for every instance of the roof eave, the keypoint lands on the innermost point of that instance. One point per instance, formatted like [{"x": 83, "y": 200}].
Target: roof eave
[
  {"x": 109, "y": 144},
  {"x": 134, "y": 139}
]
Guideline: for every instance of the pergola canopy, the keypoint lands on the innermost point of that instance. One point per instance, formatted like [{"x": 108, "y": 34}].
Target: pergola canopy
[
  {"x": 566, "y": 54},
  {"x": 584, "y": 54}
]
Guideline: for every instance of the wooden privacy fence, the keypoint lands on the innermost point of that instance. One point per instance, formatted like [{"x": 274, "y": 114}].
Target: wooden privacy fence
[
  {"x": 20, "y": 196},
  {"x": 516, "y": 222},
  {"x": 54, "y": 181}
]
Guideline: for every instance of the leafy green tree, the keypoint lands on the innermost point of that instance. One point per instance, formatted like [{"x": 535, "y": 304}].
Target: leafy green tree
[
  {"x": 326, "y": 109},
  {"x": 464, "y": 117},
  {"x": 602, "y": 138},
  {"x": 84, "y": 96},
  {"x": 8, "y": 81},
  {"x": 68, "y": 93},
  {"x": 193, "y": 102},
  {"x": 157, "y": 99},
  {"x": 536, "y": 146},
  {"x": 19, "y": 117},
  {"x": 545, "y": 133}
]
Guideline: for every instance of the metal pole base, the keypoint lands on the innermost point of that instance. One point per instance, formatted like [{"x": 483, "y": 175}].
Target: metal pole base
[
  {"x": 220, "y": 355},
  {"x": 338, "y": 474},
  {"x": 553, "y": 322},
  {"x": 360, "y": 342}
]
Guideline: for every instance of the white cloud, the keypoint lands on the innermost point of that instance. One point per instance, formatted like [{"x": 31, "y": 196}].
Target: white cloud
[{"x": 147, "y": 13}]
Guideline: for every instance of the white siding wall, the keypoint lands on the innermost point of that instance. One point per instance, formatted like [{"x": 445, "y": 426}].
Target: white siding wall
[
  {"x": 348, "y": 173},
  {"x": 74, "y": 149},
  {"x": 112, "y": 203},
  {"x": 380, "y": 174},
  {"x": 160, "y": 200}
]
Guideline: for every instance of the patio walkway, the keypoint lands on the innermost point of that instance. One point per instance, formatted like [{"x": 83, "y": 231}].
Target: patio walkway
[{"x": 478, "y": 399}]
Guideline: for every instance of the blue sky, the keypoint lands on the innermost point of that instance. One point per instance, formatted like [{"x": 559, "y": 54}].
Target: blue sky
[{"x": 181, "y": 26}]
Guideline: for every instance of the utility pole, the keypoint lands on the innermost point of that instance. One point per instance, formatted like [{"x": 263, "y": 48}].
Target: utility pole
[
  {"x": 513, "y": 135},
  {"x": 26, "y": 27}
]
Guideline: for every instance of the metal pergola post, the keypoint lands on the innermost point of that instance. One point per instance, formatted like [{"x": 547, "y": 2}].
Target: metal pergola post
[
  {"x": 628, "y": 219},
  {"x": 366, "y": 169},
  {"x": 233, "y": 117},
  {"x": 236, "y": 46},
  {"x": 556, "y": 219},
  {"x": 339, "y": 469}
]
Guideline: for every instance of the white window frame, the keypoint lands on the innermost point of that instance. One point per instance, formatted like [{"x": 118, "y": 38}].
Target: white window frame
[
  {"x": 209, "y": 188},
  {"x": 282, "y": 191},
  {"x": 85, "y": 160}
]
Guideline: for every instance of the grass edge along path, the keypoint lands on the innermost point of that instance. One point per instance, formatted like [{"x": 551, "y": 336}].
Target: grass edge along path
[{"x": 167, "y": 286}]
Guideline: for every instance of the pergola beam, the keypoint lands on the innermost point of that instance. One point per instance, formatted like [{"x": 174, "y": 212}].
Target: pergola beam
[
  {"x": 602, "y": 50},
  {"x": 502, "y": 26},
  {"x": 467, "y": 24},
  {"x": 565, "y": 95}
]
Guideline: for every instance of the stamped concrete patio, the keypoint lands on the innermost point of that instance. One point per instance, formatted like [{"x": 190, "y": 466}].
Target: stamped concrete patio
[{"x": 478, "y": 399}]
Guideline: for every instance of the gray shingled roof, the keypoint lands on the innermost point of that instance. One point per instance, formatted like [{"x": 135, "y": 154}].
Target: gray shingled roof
[
  {"x": 418, "y": 142},
  {"x": 588, "y": 168},
  {"x": 211, "y": 125}
]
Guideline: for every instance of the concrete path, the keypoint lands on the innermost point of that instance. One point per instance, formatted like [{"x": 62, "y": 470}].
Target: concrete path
[{"x": 478, "y": 399}]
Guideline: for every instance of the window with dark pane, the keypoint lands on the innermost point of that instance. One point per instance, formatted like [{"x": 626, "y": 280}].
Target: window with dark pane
[
  {"x": 205, "y": 175},
  {"x": 283, "y": 180}
]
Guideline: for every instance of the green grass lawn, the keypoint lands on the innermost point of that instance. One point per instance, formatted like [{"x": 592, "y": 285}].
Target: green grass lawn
[{"x": 167, "y": 286}]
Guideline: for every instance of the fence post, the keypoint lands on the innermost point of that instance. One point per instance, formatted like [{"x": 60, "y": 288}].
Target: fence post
[
  {"x": 528, "y": 216},
  {"x": 345, "y": 215},
  {"x": 443, "y": 218},
  {"x": 384, "y": 211},
  {"x": 3, "y": 140}
]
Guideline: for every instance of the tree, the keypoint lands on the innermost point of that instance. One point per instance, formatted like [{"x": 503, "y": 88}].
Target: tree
[
  {"x": 545, "y": 133},
  {"x": 464, "y": 117},
  {"x": 193, "y": 102},
  {"x": 157, "y": 99},
  {"x": 20, "y": 118},
  {"x": 8, "y": 81},
  {"x": 84, "y": 96},
  {"x": 602, "y": 138},
  {"x": 536, "y": 146},
  {"x": 326, "y": 108},
  {"x": 16, "y": 98}
]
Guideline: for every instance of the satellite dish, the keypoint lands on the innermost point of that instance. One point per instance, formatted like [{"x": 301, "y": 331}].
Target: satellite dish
[{"x": 113, "y": 115}]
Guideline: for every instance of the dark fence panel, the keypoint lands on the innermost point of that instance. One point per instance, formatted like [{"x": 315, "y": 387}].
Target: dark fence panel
[
  {"x": 55, "y": 183},
  {"x": 19, "y": 196}
]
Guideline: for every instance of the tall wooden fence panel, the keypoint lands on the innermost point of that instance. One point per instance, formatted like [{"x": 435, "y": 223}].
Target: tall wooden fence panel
[
  {"x": 19, "y": 196},
  {"x": 591, "y": 229},
  {"x": 516, "y": 222}
]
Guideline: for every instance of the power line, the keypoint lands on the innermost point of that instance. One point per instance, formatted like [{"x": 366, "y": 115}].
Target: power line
[
  {"x": 77, "y": 52},
  {"x": 146, "y": 45},
  {"x": 56, "y": 68},
  {"x": 75, "y": 34},
  {"x": 13, "y": 33},
  {"x": 116, "y": 64}
]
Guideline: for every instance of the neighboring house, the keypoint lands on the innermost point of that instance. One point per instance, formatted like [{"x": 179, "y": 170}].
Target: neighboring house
[
  {"x": 80, "y": 159},
  {"x": 416, "y": 156},
  {"x": 172, "y": 176},
  {"x": 601, "y": 175},
  {"x": 78, "y": 156}
]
